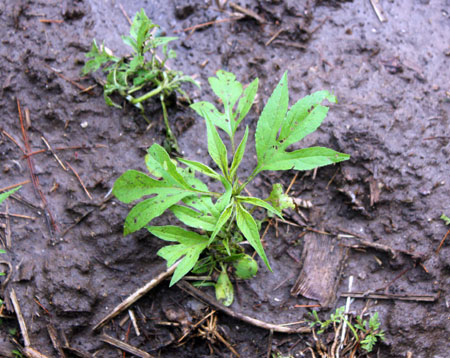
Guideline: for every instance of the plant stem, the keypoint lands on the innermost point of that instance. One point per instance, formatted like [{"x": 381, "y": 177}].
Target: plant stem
[
  {"x": 170, "y": 136},
  {"x": 152, "y": 93}
]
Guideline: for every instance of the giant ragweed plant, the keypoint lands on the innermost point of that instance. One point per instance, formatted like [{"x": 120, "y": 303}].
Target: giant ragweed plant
[{"x": 219, "y": 222}]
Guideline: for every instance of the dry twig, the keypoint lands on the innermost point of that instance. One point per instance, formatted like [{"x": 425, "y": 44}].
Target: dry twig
[
  {"x": 202, "y": 296},
  {"x": 136, "y": 296}
]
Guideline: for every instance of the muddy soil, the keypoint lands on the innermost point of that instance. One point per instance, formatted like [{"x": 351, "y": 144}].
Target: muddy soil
[{"x": 71, "y": 264}]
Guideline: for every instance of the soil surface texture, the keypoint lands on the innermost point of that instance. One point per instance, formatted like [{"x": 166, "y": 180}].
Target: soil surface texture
[{"x": 67, "y": 259}]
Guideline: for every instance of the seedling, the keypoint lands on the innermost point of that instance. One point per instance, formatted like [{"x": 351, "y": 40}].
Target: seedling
[
  {"x": 365, "y": 333},
  {"x": 143, "y": 75},
  {"x": 446, "y": 219},
  {"x": 223, "y": 220}
]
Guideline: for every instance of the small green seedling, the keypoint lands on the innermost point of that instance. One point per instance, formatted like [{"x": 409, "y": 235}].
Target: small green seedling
[
  {"x": 446, "y": 219},
  {"x": 142, "y": 75},
  {"x": 365, "y": 333},
  {"x": 223, "y": 220}
]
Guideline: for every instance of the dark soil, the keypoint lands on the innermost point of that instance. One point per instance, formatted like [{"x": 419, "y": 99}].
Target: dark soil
[{"x": 392, "y": 82}]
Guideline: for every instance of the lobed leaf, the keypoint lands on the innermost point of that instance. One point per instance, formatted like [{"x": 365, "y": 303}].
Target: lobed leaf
[
  {"x": 209, "y": 111},
  {"x": 200, "y": 167},
  {"x": 190, "y": 246},
  {"x": 227, "y": 89},
  {"x": 246, "y": 102},
  {"x": 304, "y": 159},
  {"x": 194, "y": 218},
  {"x": 299, "y": 123},
  {"x": 261, "y": 203},
  {"x": 271, "y": 119},
  {"x": 145, "y": 211}
]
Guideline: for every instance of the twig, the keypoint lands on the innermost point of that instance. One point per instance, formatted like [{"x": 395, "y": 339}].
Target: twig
[
  {"x": 202, "y": 296},
  {"x": 8, "y": 275},
  {"x": 34, "y": 179},
  {"x": 291, "y": 44},
  {"x": 442, "y": 242},
  {"x": 76, "y": 84},
  {"x": 79, "y": 179},
  {"x": 75, "y": 147},
  {"x": 8, "y": 227},
  {"x": 53, "y": 152},
  {"x": 291, "y": 183},
  {"x": 18, "y": 216},
  {"x": 307, "y": 306},
  {"x": 378, "y": 10},
  {"x": 388, "y": 296},
  {"x": 136, "y": 296},
  {"x": 51, "y": 21},
  {"x": 11, "y": 138},
  {"x": 365, "y": 242},
  {"x": 209, "y": 23},
  {"x": 347, "y": 309},
  {"x": 133, "y": 319},
  {"x": 275, "y": 35},
  {"x": 22, "y": 325},
  {"x": 77, "y": 221},
  {"x": 124, "y": 346},
  {"x": 196, "y": 325},
  {"x": 55, "y": 340},
  {"x": 269, "y": 344},
  {"x": 247, "y": 12},
  {"x": 14, "y": 185},
  {"x": 125, "y": 14}
]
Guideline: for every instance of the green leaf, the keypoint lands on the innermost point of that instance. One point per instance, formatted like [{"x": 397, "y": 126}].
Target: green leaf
[
  {"x": 190, "y": 246},
  {"x": 246, "y": 102},
  {"x": 374, "y": 322},
  {"x": 160, "y": 41},
  {"x": 261, "y": 203},
  {"x": 97, "y": 59},
  {"x": 3, "y": 196},
  {"x": 239, "y": 154},
  {"x": 304, "y": 117},
  {"x": 165, "y": 167},
  {"x": 200, "y": 167},
  {"x": 446, "y": 219},
  {"x": 249, "y": 229},
  {"x": 145, "y": 211},
  {"x": 216, "y": 148},
  {"x": 224, "y": 200},
  {"x": 227, "y": 89},
  {"x": 193, "y": 218},
  {"x": 304, "y": 159},
  {"x": 224, "y": 289},
  {"x": 246, "y": 267},
  {"x": 223, "y": 218},
  {"x": 279, "y": 199},
  {"x": 209, "y": 111},
  {"x": 270, "y": 120},
  {"x": 133, "y": 185}
]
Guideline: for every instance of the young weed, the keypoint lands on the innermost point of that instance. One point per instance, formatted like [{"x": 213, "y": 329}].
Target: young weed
[
  {"x": 223, "y": 220},
  {"x": 365, "y": 333},
  {"x": 143, "y": 75}
]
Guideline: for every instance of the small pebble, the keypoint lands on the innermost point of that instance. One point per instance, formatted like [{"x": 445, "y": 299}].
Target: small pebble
[{"x": 84, "y": 124}]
